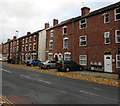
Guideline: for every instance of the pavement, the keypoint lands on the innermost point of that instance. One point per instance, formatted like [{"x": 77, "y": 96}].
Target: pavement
[{"x": 98, "y": 74}]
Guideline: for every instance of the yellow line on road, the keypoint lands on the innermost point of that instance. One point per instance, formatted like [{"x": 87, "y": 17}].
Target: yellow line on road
[{"x": 4, "y": 101}]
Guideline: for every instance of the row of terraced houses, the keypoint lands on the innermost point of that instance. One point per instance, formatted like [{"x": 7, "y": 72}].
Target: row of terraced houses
[{"x": 92, "y": 40}]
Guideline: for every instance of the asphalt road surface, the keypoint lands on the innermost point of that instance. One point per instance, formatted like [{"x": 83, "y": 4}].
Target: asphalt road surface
[{"x": 43, "y": 88}]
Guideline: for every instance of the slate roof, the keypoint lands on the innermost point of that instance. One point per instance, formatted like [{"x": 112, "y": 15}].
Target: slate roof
[{"x": 96, "y": 12}]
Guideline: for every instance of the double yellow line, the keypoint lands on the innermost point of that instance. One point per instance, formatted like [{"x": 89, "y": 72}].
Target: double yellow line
[{"x": 5, "y": 102}]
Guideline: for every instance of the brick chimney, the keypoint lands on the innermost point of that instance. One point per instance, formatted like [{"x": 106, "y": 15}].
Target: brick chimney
[
  {"x": 8, "y": 40},
  {"x": 46, "y": 25},
  {"x": 55, "y": 22},
  {"x": 85, "y": 10},
  {"x": 14, "y": 37},
  {"x": 28, "y": 33}
]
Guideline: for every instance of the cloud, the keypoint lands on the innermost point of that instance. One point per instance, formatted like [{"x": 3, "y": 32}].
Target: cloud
[{"x": 30, "y": 15}]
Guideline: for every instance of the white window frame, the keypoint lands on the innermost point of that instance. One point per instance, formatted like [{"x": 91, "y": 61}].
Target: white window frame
[
  {"x": 105, "y": 17},
  {"x": 81, "y": 24},
  {"x": 85, "y": 59},
  {"x": 106, "y": 36},
  {"x": 64, "y": 43},
  {"x": 116, "y": 36},
  {"x": 67, "y": 58},
  {"x": 35, "y": 37},
  {"x": 65, "y": 27},
  {"x": 51, "y": 45},
  {"x": 34, "y": 46},
  {"x": 51, "y": 33},
  {"x": 117, "y": 60},
  {"x": 116, "y": 14},
  {"x": 80, "y": 40},
  {"x": 50, "y": 54}
]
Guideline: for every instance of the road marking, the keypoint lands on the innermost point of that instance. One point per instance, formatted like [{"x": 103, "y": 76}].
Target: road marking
[
  {"x": 45, "y": 81},
  {"x": 6, "y": 71},
  {"x": 88, "y": 93},
  {"x": 25, "y": 76},
  {"x": 98, "y": 95}
]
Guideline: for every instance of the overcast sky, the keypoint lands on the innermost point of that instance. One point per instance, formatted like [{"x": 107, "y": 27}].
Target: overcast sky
[{"x": 31, "y": 15}]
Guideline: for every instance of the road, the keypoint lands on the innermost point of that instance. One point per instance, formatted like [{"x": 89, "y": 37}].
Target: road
[{"x": 43, "y": 88}]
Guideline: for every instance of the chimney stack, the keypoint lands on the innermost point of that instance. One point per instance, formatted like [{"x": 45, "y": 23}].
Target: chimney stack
[
  {"x": 85, "y": 10},
  {"x": 28, "y": 33},
  {"x": 55, "y": 22},
  {"x": 46, "y": 25},
  {"x": 8, "y": 40},
  {"x": 14, "y": 37}
]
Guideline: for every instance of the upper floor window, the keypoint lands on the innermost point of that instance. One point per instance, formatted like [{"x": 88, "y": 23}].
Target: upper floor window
[
  {"x": 117, "y": 14},
  {"x": 30, "y": 38},
  {"x": 51, "y": 44},
  {"x": 106, "y": 18},
  {"x": 64, "y": 30},
  {"x": 107, "y": 37},
  {"x": 51, "y": 33},
  {"x": 83, "y": 40},
  {"x": 65, "y": 43},
  {"x": 34, "y": 46},
  {"x": 23, "y": 41},
  {"x": 83, "y": 24},
  {"x": 117, "y": 36},
  {"x": 34, "y": 37}
]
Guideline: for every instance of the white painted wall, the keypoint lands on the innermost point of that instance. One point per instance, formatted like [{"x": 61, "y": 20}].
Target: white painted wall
[{"x": 42, "y": 45}]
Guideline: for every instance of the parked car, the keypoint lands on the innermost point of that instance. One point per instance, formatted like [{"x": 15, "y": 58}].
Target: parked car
[
  {"x": 66, "y": 65},
  {"x": 31, "y": 62},
  {"x": 48, "y": 64},
  {"x": 3, "y": 59}
]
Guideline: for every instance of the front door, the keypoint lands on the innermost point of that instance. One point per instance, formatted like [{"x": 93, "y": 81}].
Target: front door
[{"x": 108, "y": 63}]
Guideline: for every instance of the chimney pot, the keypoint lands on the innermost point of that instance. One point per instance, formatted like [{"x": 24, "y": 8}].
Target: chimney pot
[
  {"x": 55, "y": 22},
  {"x": 46, "y": 25},
  {"x": 85, "y": 10},
  {"x": 28, "y": 33}
]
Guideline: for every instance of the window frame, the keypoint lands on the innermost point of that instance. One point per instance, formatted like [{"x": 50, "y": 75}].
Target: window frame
[
  {"x": 116, "y": 36},
  {"x": 117, "y": 60},
  {"x": 105, "y": 37},
  {"x": 64, "y": 46},
  {"x": 63, "y": 30},
  {"x": 105, "y": 17},
  {"x": 83, "y": 60},
  {"x": 82, "y": 40},
  {"x": 83, "y": 23},
  {"x": 51, "y": 33},
  {"x": 50, "y": 45},
  {"x": 116, "y": 14}
]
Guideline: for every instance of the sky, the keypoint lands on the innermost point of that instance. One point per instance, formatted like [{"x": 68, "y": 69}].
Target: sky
[{"x": 31, "y": 15}]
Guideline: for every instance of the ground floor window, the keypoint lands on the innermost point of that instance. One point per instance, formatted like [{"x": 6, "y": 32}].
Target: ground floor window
[
  {"x": 50, "y": 56},
  {"x": 67, "y": 56},
  {"x": 118, "y": 61},
  {"x": 83, "y": 60}
]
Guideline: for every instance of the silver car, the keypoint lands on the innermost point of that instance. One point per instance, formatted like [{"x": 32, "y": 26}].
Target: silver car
[{"x": 48, "y": 64}]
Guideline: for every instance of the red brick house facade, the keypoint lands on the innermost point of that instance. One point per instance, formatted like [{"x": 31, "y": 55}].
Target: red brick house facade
[{"x": 92, "y": 39}]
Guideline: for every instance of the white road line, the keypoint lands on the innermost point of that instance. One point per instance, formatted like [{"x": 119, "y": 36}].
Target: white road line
[
  {"x": 6, "y": 71},
  {"x": 25, "y": 76},
  {"x": 45, "y": 81},
  {"x": 97, "y": 95},
  {"x": 88, "y": 93},
  {"x": 35, "y": 79}
]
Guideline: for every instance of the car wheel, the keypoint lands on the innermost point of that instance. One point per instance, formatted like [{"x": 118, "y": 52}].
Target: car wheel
[
  {"x": 67, "y": 69},
  {"x": 48, "y": 67}
]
